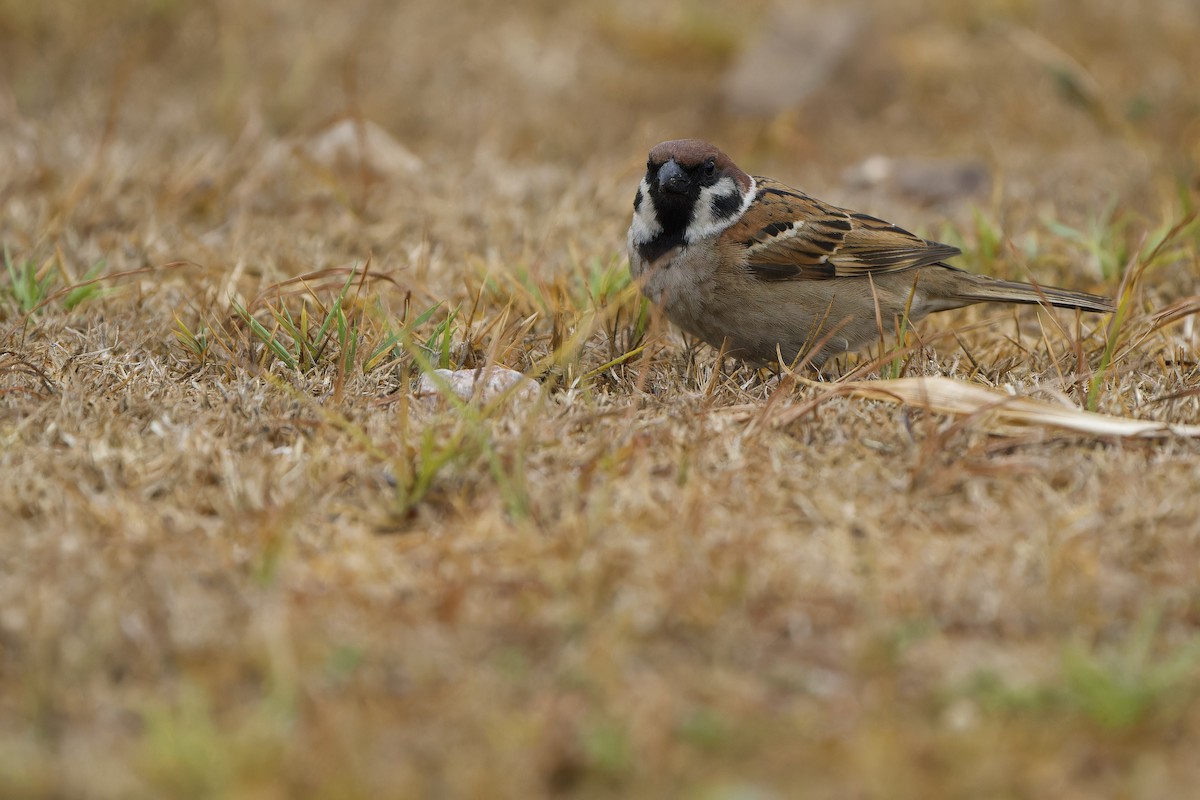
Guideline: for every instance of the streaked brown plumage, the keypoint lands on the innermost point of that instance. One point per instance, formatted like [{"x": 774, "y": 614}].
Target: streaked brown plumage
[{"x": 762, "y": 268}]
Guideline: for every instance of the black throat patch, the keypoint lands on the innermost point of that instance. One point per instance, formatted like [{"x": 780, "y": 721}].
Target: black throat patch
[
  {"x": 674, "y": 212},
  {"x": 657, "y": 247}
]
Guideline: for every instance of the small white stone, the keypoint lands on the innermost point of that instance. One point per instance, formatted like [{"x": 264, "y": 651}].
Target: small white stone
[
  {"x": 482, "y": 385},
  {"x": 353, "y": 145}
]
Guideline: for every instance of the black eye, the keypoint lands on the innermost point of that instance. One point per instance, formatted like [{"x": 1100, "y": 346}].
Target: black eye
[
  {"x": 649, "y": 165},
  {"x": 710, "y": 168}
]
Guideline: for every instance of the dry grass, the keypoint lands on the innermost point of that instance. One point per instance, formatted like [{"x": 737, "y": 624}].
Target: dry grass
[{"x": 240, "y": 559}]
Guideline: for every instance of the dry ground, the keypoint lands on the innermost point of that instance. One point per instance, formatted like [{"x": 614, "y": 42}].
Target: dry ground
[{"x": 236, "y": 562}]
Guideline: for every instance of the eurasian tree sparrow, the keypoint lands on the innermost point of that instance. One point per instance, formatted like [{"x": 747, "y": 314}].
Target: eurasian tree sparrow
[{"x": 764, "y": 270}]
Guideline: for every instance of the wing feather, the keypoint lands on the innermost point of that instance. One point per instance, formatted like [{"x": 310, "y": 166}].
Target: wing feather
[{"x": 790, "y": 236}]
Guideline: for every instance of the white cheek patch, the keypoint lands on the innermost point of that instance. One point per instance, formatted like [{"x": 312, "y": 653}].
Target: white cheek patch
[
  {"x": 645, "y": 226},
  {"x": 705, "y": 221}
]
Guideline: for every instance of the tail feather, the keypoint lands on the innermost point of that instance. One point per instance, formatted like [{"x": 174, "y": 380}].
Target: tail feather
[{"x": 988, "y": 290}]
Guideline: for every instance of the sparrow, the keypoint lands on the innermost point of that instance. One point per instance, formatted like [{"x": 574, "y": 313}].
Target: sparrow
[{"x": 767, "y": 272}]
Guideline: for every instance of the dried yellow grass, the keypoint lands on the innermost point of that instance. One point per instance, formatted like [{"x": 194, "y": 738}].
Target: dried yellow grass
[
  {"x": 1000, "y": 413},
  {"x": 660, "y": 575}
]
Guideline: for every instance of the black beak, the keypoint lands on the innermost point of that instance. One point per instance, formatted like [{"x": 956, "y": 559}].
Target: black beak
[{"x": 672, "y": 178}]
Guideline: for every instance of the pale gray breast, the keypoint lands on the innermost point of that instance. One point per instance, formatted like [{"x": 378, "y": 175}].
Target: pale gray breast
[{"x": 683, "y": 283}]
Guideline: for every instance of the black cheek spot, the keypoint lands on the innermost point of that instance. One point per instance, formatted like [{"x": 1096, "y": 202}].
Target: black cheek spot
[
  {"x": 726, "y": 205},
  {"x": 637, "y": 200}
]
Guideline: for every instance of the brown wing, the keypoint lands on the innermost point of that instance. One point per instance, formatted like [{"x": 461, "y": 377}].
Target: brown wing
[{"x": 791, "y": 236}]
